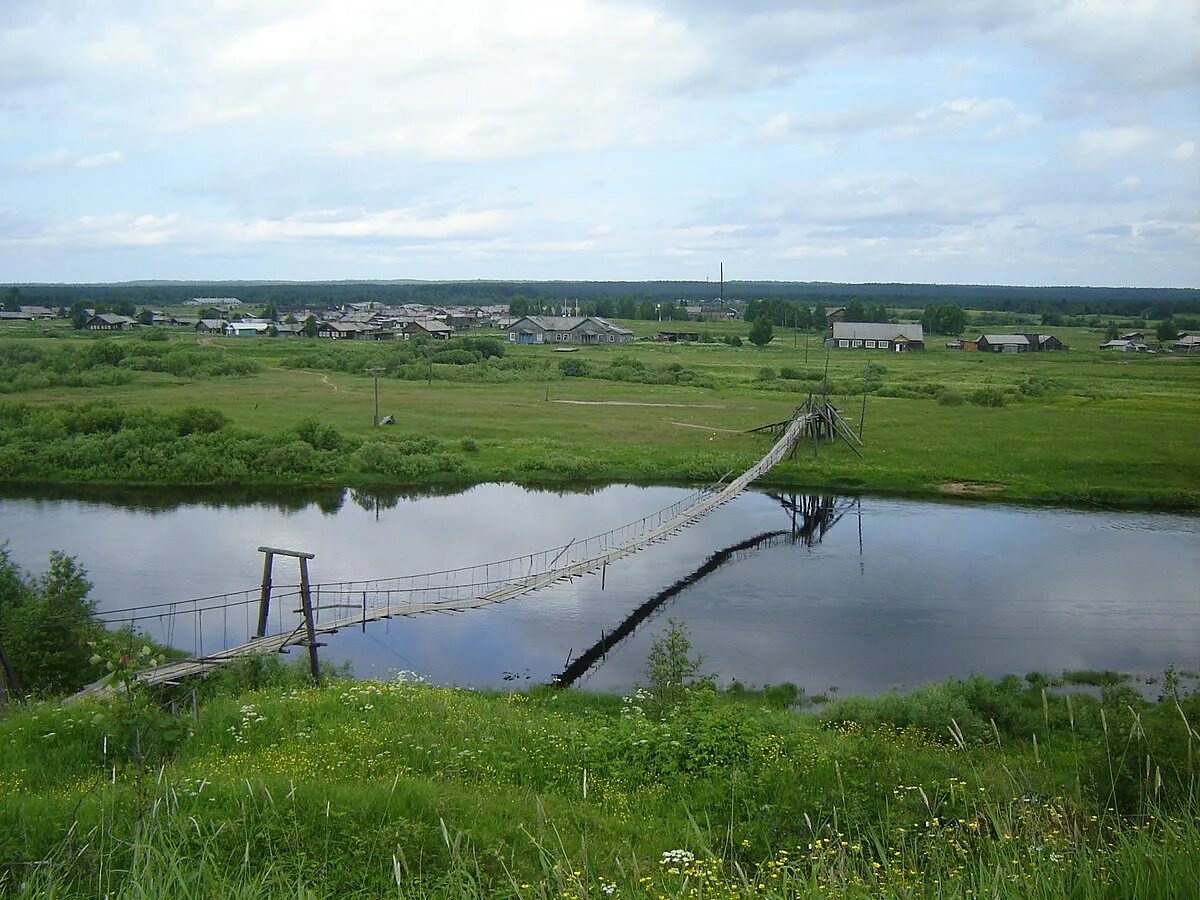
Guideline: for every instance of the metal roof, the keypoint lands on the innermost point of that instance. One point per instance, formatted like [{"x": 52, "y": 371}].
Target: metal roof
[
  {"x": 1005, "y": 339},
  {"x": 876, "y": 331}
]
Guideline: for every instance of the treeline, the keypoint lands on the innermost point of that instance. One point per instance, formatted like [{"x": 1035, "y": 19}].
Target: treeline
[{"x": 1151, "y": 303}]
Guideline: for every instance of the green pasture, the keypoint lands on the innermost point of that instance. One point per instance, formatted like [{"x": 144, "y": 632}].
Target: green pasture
[
  {"x": 1076, "y": 426},
  {"x": 395, "y": 788}
]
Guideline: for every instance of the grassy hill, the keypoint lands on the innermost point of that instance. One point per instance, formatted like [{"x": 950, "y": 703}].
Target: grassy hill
[{"x": 396, "y": 788}]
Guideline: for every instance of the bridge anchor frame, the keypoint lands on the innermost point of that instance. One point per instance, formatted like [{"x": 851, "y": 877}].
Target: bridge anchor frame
[{"x": 264, "y": 602}]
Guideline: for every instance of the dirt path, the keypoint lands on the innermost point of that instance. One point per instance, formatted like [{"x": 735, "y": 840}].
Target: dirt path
[
  {"x": 636, "y": 403},
  {"x": 708, "y": 427}
]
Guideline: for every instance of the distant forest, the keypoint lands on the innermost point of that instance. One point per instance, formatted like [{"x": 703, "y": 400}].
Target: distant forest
[{"x": 1149, "y": 303}]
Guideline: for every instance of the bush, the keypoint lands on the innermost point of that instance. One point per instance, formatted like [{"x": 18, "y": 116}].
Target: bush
[
  {"x": 468, "y": 445},
  {"x": 766, "y": 373},
  {"x": 319, "y": 435},
  {"x": 987, "y": 397},
  {"x": 573, "y": 368},
  {"x": 154, "y": 335},
  {"x": 950, "y": 398}
]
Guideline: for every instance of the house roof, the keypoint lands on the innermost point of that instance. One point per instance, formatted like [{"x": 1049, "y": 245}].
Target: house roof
[
  {"x": 1189, "y": 340},
  {"x": 1018, "y": 339},
  {"x": 877, "y": 331},
  {"x": 113, "y": 319},
  {"x": 249, "y": 326},
  {"x": 212, "y": 323}
]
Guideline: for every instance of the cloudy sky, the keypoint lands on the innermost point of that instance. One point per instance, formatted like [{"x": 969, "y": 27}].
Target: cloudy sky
[{"x": 1010, "y": 141}]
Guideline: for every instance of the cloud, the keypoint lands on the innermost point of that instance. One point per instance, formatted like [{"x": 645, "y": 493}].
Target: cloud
[
  {"x": 954, "y": 114},
  {"x": 100, "y": 231},
  {"x": 1109, "y": 143},
  {"x": 1184, "y": 150},
  {"x": 65, "y": 159},
  {"x": 356, "y": 224}
]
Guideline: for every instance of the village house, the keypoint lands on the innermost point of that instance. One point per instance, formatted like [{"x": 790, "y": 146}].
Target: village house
[
  {"x": 1018, "y": 343},
  {"x": 567, "y": 330},
  {"x": 211, "y": 326},
  {"x": 432, "y": 327},
  {"x": 248, "y": 329},
  {"x": 109, "y": 322},
  {"x": 1124, "y": 346},
  {"x": 877, "y": 336},
  {"x": 224, "y": 304},
  {"x": 1189, "y": 343}
]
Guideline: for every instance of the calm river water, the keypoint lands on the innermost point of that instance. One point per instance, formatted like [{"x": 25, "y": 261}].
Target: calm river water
[{"x": 894, "y": 593}]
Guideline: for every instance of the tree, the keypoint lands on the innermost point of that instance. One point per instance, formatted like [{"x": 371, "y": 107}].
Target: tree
[
  {"x": 12, "y": 300},
  {"x": 270, "y": 313},
  {"x": 145, "y": 317},
  {"x": 855, "y": 311},
  {"x": 670, "y": 667},
  {"x": 1167, "y": 330},
  {"x": 310, "y": 327},
  {"x": 46, "y": 623},
  {"x": 761, "y": 331},
  {"x": 79, "y": 316},
  {"x": 820, "y": 317},
  {"x": 948, "y": 318}
]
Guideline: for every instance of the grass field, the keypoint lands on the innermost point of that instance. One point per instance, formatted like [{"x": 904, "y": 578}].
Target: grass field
[
  {"x": 970, "y": 789},
  {"x": 1080, "y": 426}
]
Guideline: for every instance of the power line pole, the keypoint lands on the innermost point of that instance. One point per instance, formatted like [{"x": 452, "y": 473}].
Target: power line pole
[{"x": 375, "y": 371}]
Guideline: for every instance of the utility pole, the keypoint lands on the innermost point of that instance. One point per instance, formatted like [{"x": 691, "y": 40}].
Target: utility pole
[{"x": 375, "y": 371}]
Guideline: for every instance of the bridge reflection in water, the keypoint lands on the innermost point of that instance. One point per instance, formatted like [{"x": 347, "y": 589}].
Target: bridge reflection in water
[{"x": 812, "y": 515}]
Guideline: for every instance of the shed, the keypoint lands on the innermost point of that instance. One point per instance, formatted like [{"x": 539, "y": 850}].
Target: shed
[{"x": 1004, "y": 343}]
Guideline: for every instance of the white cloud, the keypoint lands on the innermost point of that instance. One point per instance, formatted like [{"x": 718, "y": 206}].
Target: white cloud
[
  {"x": 392, "y": 223},
  {"x": 111, "y": 230},
  {"x": 1109, "y": 143},
  {"x": 952, "y": 114},
  {"x": 1184, "y": 150},
  {"x": 62, "y": 158}
]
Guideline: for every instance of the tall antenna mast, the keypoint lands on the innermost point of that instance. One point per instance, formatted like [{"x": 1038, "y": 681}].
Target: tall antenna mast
[{"x": 722, "y": 284}]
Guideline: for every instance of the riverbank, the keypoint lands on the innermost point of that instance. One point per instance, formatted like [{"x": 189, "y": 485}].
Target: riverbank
[
  {"x": 1078, "y": 427},
  {"x": 971, "y": 788}
]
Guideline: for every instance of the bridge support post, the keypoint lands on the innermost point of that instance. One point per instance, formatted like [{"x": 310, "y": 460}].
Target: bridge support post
[
  {"x": 264, "y": 598},
  {"x": 309, "y": 627}
]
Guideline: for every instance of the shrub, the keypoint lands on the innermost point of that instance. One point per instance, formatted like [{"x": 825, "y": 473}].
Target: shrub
[
  {"x": 766, "y": 373},
  {"x": 319, "y": 435},
  {"x": 790, "y": 373},
  {"x": 468, "y": 445},
  {"x": 199, "y": 420},
  {"x": 573, "y": 368},
  {"x": 949, "y": 397},
  {"x": 154, "y": 335},
  {"x": 987, "y": 397}
]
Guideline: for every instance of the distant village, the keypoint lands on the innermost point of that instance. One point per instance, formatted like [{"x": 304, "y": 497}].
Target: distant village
[{"x": 373, "y": 321}]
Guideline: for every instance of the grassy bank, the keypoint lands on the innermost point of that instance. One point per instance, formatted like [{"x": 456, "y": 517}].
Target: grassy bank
[
  {"x": 973, "y": 788},
  {"x": 1072, "y": 427}
]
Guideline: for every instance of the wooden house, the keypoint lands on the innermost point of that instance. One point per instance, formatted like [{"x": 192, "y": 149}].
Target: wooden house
[
  {"x": 567, "y": 330},
  {"x": 877, "y": 336},
  {"x": 109, "y": 322},
  {"x": 433, "y": 327},
  {"x": 211, "y": 326}
]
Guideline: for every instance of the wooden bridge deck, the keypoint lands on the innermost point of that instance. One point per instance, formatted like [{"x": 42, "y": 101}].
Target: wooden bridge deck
[{"x": 174, "y": 671}]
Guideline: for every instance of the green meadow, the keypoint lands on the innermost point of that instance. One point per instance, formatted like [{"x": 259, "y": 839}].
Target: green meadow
[
  {"x": 1076, "y": 427},
  {"x": 271, "y": 787}
]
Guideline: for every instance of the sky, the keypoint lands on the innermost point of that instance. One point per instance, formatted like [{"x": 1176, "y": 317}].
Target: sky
[{"x": 966, "y": 141}]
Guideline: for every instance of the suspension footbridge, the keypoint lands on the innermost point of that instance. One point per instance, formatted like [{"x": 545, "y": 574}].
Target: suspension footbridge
[{"x": 328, "y": 607}]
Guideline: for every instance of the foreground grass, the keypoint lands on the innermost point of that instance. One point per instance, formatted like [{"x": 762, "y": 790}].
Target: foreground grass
[
  {"x": 396, "y": 788},
  {"x": 1079, "y": 426}
]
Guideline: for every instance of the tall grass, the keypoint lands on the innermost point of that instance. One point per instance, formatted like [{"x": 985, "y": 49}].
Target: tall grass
[{"x": 398, "y": 788}]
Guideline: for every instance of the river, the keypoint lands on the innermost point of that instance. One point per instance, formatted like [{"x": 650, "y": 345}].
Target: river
[{"x": 888, "y": 593}]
